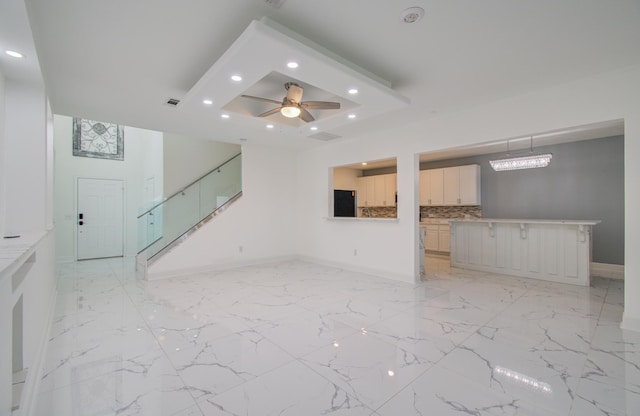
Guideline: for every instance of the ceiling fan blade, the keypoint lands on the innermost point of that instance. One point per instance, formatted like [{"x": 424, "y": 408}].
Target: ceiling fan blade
[
  {"x": 305, "y": 115},
  {"x": 320, "y": 105},
  {"x": 294, "y": 93},
  {"x": 268, "y": 113},
  {"x": 261, "y": 99}
]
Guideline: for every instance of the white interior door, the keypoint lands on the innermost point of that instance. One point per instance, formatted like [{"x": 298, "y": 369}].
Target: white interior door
[{"x": 100, "y": 218}]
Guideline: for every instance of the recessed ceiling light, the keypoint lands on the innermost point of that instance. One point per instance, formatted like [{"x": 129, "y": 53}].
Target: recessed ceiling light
[
  {"x": 236, "y": 78},
  {"x": 225, "y": 116},
  {"x": 364, "y": 163},
  {"x": 14, "y": 54},
  {"x": 269, "y": 126},
  {"x": 351, "y": 116},
  {"x": 292, "y": 64},
  {"x": 207, "y": 102},
  {"x": 353, "y": 91},
  {"x": 314, "y": 128}
]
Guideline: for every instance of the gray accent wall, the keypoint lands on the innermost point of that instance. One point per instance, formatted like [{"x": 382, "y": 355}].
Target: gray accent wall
[{"x": 584, "y": 181}]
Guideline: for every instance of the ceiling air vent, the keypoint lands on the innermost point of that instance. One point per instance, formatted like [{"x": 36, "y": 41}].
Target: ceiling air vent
[
  {"x": 274, "y": 3},
  {"x": 325, "y": 136},
  {"x": 173, "y": 101}
]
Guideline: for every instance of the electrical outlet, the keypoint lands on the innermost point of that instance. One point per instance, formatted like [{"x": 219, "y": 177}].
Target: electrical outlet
[
  {"x": 355, "y": 251},
  {"x": 240, "y": 248}
]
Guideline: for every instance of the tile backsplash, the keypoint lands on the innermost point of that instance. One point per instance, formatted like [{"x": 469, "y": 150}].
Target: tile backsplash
[
  {"x": 425, "y": 212},
  {"x": 378, "y": 212},
  {"x": 474, "y": 211}
]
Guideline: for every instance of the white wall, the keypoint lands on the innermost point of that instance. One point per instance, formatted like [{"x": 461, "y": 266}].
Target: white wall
[
  {"x": 24, "y": 210},
  {"x": 261, "y": 221},
  {"x": 345, "y": 178},
  {"x": 389, "y": 247},
  {"x": 142, "y": 160},
  {"x": 3, "y": 197},
  {"x": 187, "y": 159},
  {"x": 49, "y": 169},
  {"x": 24, "y": 162}
]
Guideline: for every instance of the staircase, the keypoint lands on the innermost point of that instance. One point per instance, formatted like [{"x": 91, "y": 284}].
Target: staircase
[{"x": 166, "y": 224}]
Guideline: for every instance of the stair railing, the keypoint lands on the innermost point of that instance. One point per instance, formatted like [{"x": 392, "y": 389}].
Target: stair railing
[{"x": 166, "y": 222}]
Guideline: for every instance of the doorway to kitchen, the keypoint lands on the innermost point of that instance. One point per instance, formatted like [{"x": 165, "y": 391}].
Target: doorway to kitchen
[{"x": 100, "y": 218}]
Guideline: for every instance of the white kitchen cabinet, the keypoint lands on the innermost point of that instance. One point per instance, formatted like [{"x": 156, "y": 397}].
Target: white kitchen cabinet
[
  {"x": 365, "y": 194},
  {"x": 444, "y": 238},
  {"x": 366, "y": 191},
  {"x": 451, "y": 184},
  {"x": 462, "y": 185},
  {"x": 370, "y": 184},
  {"x": 431, "y": 238},
  {"x": 431, "y": 187},
  {"x": 378, "y": 184},
  {"x": 437, "y": 238},
  {"x": 390, "y": 188},
  {"x": 470, "y": 185},
  {"x": 376, "y": 191}
]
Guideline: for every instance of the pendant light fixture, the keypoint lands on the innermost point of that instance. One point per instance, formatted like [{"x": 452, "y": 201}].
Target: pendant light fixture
[{"x": 529, "y": 161}]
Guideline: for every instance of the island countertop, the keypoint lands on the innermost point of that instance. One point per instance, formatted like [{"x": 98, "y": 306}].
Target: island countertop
[
  {"x": 526, "y": 221},
  {"x": 553, "y": 250}
]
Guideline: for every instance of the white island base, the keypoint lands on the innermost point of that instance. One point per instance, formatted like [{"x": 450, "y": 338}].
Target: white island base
[{"x": 554, "y": 250}]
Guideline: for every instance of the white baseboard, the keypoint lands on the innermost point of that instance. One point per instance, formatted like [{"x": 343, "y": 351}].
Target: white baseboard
[
  {"x": 357, "y": 269},
  {"x": 631, "y": 324},
  {"x": 611, "y": 271},
  {"x": 34, "y": 375},
  {"x": 151, "y": 275}
]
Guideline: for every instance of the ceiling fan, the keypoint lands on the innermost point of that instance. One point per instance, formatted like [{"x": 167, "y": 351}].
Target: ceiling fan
[{"x": 292, "y": 106}]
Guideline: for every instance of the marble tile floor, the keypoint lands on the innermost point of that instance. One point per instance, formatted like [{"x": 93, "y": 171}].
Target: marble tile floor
[{"x": 296, "y": 338}]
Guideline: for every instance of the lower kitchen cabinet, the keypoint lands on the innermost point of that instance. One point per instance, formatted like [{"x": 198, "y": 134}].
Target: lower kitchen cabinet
[
  {"x": 437, "y": 238},
  {"x": 431, "y": 238},
  {"x": 444, "y": 238}
]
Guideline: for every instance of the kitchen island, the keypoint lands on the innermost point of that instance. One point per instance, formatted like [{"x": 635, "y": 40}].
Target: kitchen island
[{"x": 554, "y": 250}]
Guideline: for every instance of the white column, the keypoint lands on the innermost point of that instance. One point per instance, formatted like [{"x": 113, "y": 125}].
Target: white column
[{"x": 631, "y": 316}]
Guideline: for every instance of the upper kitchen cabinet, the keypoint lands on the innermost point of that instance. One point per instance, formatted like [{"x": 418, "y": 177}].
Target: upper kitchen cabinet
[
  {"x": 462, "y": 185},
  {"x": 457, "y": 185},
  {"x": 376, "y": 191},
  {"x": 366, "y": 191},
  {"x": 431, "y": 187}
]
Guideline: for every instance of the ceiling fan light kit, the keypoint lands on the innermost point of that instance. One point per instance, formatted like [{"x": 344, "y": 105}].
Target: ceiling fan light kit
[
  {"x": 292, "y": 105},
  {"x": 290, "y": 111}
]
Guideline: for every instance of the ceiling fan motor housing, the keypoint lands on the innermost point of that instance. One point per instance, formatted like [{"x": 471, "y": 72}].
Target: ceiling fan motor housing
[{"x": 293, "y": 106}]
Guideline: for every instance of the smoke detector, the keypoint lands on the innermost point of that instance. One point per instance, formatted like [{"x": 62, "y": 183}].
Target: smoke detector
[{"x": 412, "y": 14}]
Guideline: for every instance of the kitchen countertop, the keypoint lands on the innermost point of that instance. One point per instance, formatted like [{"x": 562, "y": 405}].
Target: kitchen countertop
[
  {"x": 355, "y": 219},
  {"x": 525, "y": 221},
  {"x": 435, "y": 221}
]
